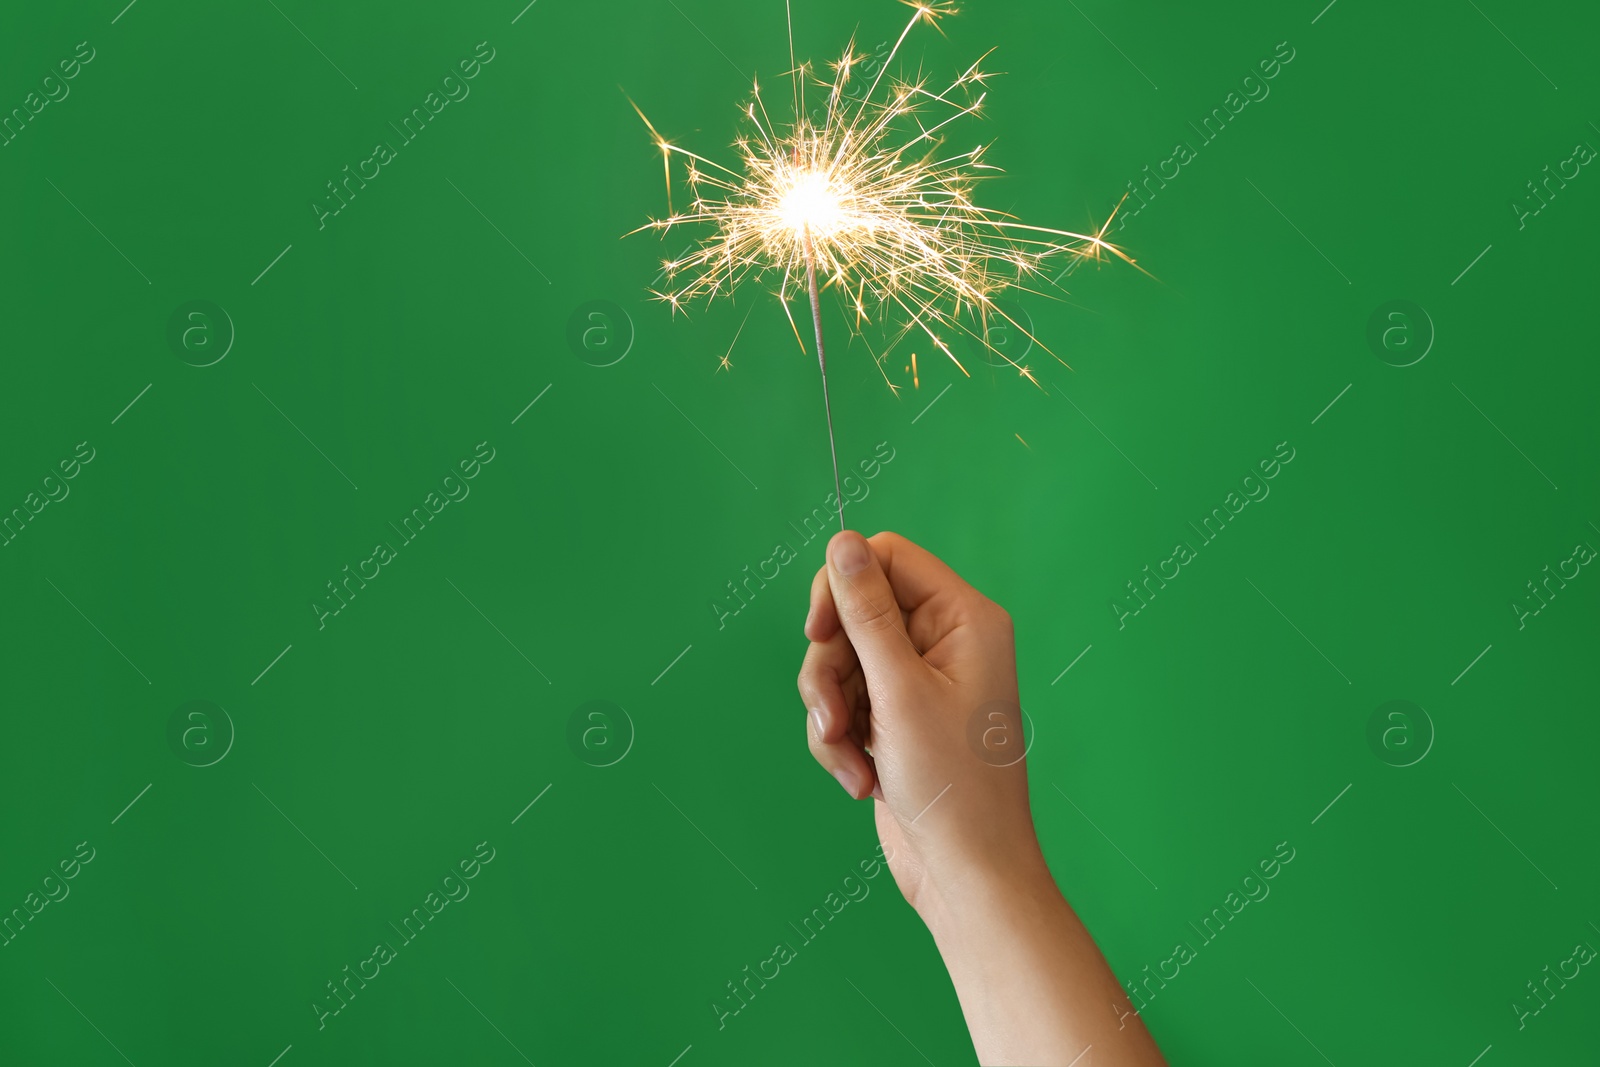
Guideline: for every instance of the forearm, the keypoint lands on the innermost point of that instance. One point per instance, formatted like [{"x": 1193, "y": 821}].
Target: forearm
[{"x": 1032, "y": 984}]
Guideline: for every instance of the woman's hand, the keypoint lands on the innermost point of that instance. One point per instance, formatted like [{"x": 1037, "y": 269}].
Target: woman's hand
[{"x": 911, "y": 687}]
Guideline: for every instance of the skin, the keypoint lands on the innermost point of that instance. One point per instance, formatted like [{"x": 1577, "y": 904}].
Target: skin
[{"x": 910, "y": 686}]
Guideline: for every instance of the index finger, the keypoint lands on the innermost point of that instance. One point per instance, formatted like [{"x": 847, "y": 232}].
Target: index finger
[
  {"x": 919, "y": 578},
  {"x": 933, "y": 598},
  {"x": 822, "y": 621},
  {"x": 923, "y": 585}
]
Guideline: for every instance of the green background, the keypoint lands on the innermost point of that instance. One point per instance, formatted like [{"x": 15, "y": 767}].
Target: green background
[{"x": 377, "y": 352}]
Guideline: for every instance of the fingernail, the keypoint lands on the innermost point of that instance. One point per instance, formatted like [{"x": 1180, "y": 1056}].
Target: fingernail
[
  {"x": 847, "y": 780},
  {"x": 807, "y": 627},
  {"x": 816, "y": 722},
  {"x": 850, "y": 554}
]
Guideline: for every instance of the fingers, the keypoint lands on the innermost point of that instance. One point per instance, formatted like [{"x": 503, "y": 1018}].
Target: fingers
[
  {"x": 821, "y": 685},
  {"x": 934, "y": 603},
  {"x": 829, "y": 728},
  {"x": 822, "y": 621},
  {"x": 934, "y": 598},
  {"x": 867, "y": 607},
  {"x": 919, "y": 578}
]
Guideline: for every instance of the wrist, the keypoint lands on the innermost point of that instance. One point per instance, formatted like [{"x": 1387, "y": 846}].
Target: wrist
[
  {"x": 987, "y": 891},
  {"x": 1022, "y": 966}
]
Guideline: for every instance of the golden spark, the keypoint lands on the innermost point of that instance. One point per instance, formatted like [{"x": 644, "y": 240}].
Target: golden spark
[{"x": 871, "y": 200}]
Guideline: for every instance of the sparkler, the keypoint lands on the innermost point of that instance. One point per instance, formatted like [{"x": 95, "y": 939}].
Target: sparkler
[{"x": 866, "y": 200}]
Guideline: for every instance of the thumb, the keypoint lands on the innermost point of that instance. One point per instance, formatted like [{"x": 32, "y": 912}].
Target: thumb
[{"x": 867, "y": 607}]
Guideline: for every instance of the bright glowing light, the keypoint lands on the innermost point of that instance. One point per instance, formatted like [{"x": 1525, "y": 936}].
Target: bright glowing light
[
  {"x": 870, "y": 204},
  {"x": 887, "y": 207},
  {"x": 812, "y": 202}
]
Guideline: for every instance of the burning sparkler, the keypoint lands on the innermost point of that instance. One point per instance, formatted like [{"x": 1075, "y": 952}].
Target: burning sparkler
[{"x": 867, "y": 201}]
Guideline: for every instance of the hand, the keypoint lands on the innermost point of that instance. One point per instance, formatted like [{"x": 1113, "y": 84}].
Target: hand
[{"x": 911, "y": 685}]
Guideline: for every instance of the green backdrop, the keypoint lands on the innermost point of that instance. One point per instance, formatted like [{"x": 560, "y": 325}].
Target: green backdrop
[{"x": 219, "y": 792}]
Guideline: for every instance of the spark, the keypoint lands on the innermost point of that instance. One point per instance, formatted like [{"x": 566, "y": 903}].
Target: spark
[
  {"x": 871, "y": 205},
  {"x": 723, "y": 363}
]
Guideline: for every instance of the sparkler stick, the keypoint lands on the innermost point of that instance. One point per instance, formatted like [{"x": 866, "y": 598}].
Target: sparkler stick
[
  {"x": 866, "y": 200},
  {"x": 822, "y": 364}
]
